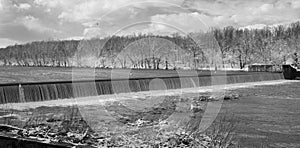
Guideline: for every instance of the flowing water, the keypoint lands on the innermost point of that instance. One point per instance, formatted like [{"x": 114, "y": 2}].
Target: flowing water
[{"x": 33, "y": 92}]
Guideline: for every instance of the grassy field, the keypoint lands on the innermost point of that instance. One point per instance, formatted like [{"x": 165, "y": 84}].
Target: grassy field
[
  {"x": 269, "y": 115},
  {"x": 264, "y": 116}
]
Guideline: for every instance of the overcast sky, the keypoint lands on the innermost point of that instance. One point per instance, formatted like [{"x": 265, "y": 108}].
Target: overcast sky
[{"x": 28, "y": 20}]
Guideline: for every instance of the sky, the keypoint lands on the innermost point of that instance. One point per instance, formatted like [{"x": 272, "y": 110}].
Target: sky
[{"x": 24, "y": 21}]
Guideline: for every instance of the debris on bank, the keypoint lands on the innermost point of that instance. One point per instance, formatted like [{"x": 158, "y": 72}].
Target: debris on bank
[{"x": 77, "y": 132}]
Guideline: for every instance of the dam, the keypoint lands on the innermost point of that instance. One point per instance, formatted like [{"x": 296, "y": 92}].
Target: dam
[{"x": 143, "y": 80}]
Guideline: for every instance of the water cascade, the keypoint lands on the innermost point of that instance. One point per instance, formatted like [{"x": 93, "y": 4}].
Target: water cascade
[{"x": 30, "y": 92}]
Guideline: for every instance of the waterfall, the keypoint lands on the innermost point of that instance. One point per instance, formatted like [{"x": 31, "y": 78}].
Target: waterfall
[
  {"x": 9, "y": 94},
  {"x": 31, "y": 92}
]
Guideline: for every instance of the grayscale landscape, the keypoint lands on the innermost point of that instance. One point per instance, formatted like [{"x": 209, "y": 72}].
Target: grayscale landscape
[{"x": 149, "y": 74}]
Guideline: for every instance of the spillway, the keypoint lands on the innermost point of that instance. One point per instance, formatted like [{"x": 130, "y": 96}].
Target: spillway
[{"x": 43, "y": 91}]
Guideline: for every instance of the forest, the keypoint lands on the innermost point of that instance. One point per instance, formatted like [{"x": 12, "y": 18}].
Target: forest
[{"x": 237, "y": 48}]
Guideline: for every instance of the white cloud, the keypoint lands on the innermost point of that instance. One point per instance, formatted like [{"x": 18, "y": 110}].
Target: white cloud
[
  {"x": 91, "y": 9},
  {"x": 48, "y": 3},
  {"x": 1, "y": 5},
  {"x": 266, "y": 7},
  {"x": 74, "y": 38},
  {"x": 111, "y": 15},
  {"x": 4, "y": 42},
  {"x": 186, "y": 22},
  {"x": 24, "y": 6},
  {"x": 94, "y": 9},
  {"x": 249, "y": 12},
  {"x": 94, "y": 32},
  {"x": 82, "y": 17},
  {"x": 34, "y": 24},
  {"x": 255, "y": 26},
  {"x": 296, "y": 4}
]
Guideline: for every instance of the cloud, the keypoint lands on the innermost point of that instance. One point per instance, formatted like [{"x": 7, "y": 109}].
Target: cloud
[
  {"x": 117, "y": 15},
  {"x": 74, "y": 38},
  {"x": 92, "y": 9},
  {"x": 266, "y": 7},
  {"x": 93, "y": 32},
  {"x": 48, "y": 3},
  {"x": 24, "y": 6},
  {"x": 1, "y": 5},
  {"x": 96, "y": 9},
  {"x": 256, "y": 26},
  {"x": 248, "y": 12},
  {"x": 182, "y": 22},
  {"x": 4, "y": 42},
  {"x": 40, "y": 19},
  {"x": 295, "y": 4},
  {"x": 34, "y": 24}
]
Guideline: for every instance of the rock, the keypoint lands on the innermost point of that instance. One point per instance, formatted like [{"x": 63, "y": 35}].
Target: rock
[
  {"x": 21, "y": 132},
  {"x": 141, "y": 122},
  {"x": 32, "y": 132},
  {"x": 236, "y": 96},
  {"x": 55, "y": 118},
  {"x": 186, "y": 141},
  {"x": 231, "y": 96},
  {"x": 46, "y": 141},
  {"x": 197, "y": 105},
  {"x": 203, "y": 98},
  {"x": 163, "y": 122},
  {"x": 51, "y": 134},
  {"x": 196, "y": 108},
  {"x": 70, "y": 134},
  {"x": 124, "y": 120},
  {"x": 173, "y": 142},
  {"x": 207, "y": 98},
  {"x": 214, "y": 98}
]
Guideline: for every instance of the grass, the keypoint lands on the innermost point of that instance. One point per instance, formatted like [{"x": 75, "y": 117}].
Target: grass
[
  {"x": 265, "y": 116},
  {"x": 156, "y": 125},
  {"x": 223, "y": 133}
]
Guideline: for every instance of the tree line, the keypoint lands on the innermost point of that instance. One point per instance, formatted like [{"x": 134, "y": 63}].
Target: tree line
[{"x": 238, "y": 48}]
